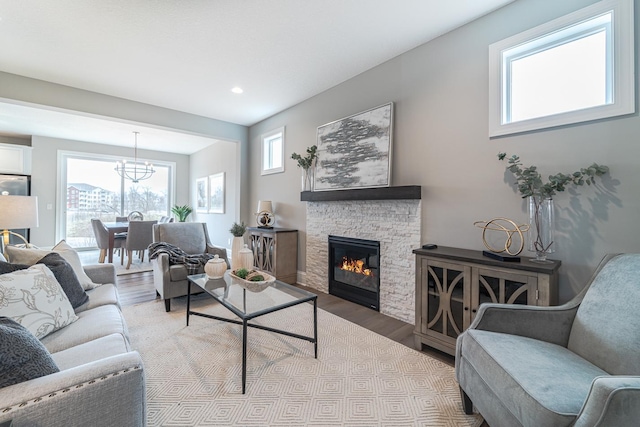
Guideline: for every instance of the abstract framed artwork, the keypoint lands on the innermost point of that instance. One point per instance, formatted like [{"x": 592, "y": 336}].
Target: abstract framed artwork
[
  {"x": 355, "y": 152},
  {"x": 202, "y": 194},
  {"x": 216, "y": 193}
]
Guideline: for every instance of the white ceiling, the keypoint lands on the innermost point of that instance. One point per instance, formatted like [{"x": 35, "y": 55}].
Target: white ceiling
[{"x": 186, "y": 55}]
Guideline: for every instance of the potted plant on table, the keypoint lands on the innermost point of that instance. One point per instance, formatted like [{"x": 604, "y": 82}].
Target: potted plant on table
[
  {"x": 182, "y": 212},
  {"x": 306, "y": 164},
  {"x": 237, "y": 230},
  {"x": 541, "y": 211}
]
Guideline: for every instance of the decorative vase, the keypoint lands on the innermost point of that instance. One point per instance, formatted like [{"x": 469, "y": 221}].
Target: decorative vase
[
  {"x": 307, "y": 178},
  {"x": 541, "y": 227},
  {"x": 215, "y": 268},
  {"x": 246, "y": 258},
  {"x": 236, "y": 245}
]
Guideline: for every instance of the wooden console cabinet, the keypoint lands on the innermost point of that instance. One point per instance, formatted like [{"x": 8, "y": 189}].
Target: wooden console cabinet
[
  {"x": 451, "y": 284},
  {"x": 275, "y": 250}
]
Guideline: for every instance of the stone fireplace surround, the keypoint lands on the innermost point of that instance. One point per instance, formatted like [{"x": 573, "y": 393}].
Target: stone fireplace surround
[{"x": 396, "y": 223}]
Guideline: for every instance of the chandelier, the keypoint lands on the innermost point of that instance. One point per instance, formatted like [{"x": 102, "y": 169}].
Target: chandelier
[{"x": 134, "y": 171}]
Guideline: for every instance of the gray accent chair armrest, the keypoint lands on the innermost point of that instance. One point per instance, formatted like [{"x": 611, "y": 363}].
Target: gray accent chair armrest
[
  {"x": 107, "y": 392},
  {"x": 612, "y": 401}
]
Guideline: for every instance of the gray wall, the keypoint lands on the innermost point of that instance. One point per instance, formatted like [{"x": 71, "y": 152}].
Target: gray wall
[
  {"x": 221, "y": 157},
  {"x": 44, "y": 177},
  {"x": 440, "y": 91}
]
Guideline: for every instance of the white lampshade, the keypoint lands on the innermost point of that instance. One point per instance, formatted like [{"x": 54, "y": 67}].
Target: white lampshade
[
  {"x": 264, "y": 206},
  {"x": 18, "y": 212}
]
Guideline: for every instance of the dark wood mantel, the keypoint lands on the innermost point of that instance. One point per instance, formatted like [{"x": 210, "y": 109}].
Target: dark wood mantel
[{"x": 413, "y": 192}]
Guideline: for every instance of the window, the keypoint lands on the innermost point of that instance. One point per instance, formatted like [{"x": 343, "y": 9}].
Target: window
[
  {"x": 91, "y": 188},
  {"x": 570, "y": 70},
  {"x": 273, "y": 151}
]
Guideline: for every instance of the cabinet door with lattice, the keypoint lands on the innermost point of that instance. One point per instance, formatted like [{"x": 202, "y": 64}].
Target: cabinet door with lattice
[
  {"x": 502, "y": 287},
  {"x": 445, "y": 298}
]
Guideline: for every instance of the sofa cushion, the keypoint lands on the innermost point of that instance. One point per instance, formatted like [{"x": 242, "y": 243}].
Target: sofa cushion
[
  {"x": 102, "y": 295},
  {"x": 34, "y": 298},
  {"x": 91, "y": 324},
  {"x": 537, "y": 379},
  {"x": 22, "y": 355},
  {"x": 30, "y": 256},
  {"x": 91, "y": 351}
]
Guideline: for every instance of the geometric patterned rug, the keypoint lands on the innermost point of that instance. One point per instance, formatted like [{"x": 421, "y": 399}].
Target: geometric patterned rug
[{"x": 360, "y": 378}]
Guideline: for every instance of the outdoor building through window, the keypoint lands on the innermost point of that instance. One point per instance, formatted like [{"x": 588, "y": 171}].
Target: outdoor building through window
[{"x": 576, "y": 68}]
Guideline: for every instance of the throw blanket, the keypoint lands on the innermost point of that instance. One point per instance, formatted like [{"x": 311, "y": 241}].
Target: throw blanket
[{"x": 178, "y": 256}]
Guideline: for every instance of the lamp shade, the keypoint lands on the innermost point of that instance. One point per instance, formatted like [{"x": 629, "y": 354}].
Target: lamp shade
[
  {"x": 264, "y": 206},
  {"x": 18, "y": 212}
]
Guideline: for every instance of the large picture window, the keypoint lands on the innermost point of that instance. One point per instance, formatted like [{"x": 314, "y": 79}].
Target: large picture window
[
  {"x": 573, "y": 69},
  {"x": 91, "y": 188}
]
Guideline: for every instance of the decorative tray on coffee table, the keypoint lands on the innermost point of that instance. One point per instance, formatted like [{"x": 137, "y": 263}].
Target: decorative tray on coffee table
[{"x": 253, "y": 285}]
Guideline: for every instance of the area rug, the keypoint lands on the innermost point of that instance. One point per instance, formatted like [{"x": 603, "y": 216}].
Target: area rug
[
  {"x": 136, "y": 267},
  {"x": 360, "y": 378}
]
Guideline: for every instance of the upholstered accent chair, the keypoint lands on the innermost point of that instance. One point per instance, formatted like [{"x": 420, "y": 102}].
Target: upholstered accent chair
[
  {"x": 139, "y": 237},
  {"x": 577, "y": 364},
  {"x": 170, "y": 281}
]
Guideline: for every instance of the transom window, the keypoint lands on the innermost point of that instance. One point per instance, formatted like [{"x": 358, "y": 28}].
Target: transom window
[
  {"x": 273, "y": 151},
  {"x": 576, "y": 68}
]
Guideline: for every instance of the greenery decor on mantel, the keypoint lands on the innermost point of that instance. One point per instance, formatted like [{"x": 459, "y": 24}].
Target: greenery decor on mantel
[
  {"x": 182, "y": 212},
  {"x": 541, "y": 211},
  {"x": 306, "y": 164}
]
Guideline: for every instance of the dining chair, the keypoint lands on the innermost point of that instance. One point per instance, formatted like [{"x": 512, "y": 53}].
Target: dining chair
[
  {"x": 122, "y": 219},
  {"x": 139, "y": 237},
  {"x": 135, "y": 216},
  {"x": 102, "y": 239}
]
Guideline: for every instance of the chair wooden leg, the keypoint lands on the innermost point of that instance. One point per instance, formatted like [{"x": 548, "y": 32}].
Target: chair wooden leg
[
  {"x": 103, "y": 255},
  {"x": 467, "y": 404},
  {"x": 167, "y": 305},
  {"x": 129, "y": 256}
]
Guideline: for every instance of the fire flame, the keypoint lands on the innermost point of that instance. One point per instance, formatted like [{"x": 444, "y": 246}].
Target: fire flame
[{"x": 356, "y": 266}]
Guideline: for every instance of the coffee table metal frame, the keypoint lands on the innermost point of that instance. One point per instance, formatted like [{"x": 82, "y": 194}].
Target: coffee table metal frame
[{"x": 246, "y": 317}]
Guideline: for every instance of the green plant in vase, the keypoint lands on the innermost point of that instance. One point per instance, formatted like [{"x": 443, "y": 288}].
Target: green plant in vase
[
  {"x": 237, "y": 230},
  {"x": 306, "y": 163},
  {"x": 540, "y": 193},
  {"x": 182, "y": 212}
]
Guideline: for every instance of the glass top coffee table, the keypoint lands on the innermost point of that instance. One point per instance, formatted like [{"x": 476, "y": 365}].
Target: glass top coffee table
[{"x": 247, "y": 303}]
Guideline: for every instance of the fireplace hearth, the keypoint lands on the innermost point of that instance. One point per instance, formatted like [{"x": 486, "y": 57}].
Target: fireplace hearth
[{"x": 354, "y": 270}]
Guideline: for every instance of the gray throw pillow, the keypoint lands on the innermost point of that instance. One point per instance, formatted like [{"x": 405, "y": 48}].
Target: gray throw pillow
[
  {"x": 22, "y": 356},
  {"x": 67, "y": 278},
  {"x": 63, "y": 272}
]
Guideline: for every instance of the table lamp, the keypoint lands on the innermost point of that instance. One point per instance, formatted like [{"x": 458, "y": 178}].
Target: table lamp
[
  {"x": 17, "y": 212},
  {"x": 264, "y": 214}
]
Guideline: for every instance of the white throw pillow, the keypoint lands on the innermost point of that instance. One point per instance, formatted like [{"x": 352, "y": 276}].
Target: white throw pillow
[
  {"x": 34, "y": 298},
  {"x": 27, "y": 256}
]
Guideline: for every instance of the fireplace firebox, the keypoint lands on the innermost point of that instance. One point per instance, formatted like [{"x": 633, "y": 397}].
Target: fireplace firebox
[{"x": 354, "y": 270}]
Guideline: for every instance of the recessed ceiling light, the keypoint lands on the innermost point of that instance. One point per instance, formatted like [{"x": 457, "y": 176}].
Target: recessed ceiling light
[{"x": 237, "y": 90}]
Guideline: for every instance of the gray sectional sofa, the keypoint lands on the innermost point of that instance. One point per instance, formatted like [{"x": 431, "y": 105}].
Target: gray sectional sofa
[{"x": 101, "y": 380}]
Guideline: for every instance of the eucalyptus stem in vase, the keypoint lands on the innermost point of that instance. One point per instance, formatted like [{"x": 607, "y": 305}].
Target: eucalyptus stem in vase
[
  {"x": 541, "y": 211},
  {"x": 306, "y": 164}
]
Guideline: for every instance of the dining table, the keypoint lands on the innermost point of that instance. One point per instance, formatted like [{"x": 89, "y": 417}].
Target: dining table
[{"x": 114, "y": 228}]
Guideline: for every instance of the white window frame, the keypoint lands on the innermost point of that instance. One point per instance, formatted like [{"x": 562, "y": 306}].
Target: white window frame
[
  {"x": 265, "y": 138},
  {"x": 622, "y": 93}
]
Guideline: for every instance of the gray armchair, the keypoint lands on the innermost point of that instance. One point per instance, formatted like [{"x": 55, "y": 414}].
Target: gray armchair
[
  {"x": 573, "y": 365},
  {"x": 192, "y": 237}
]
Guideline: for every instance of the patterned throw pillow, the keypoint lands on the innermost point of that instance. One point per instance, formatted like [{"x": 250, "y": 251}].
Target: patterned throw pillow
[
  {"x": 34, "y": 298},
  {"x": 22, "y": 356}
]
